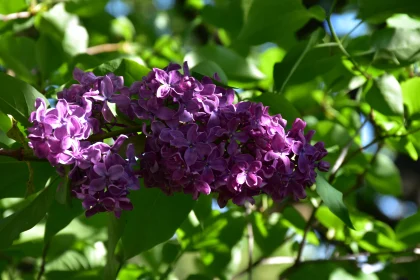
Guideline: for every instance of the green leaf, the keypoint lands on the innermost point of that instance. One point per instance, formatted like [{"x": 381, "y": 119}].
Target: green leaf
[
  {"x": 235, "y": 66},
  {"x": 304, "y": 63},
  {"x": 148, "y": 224},
  {"x": 130, "y": 69},
  {"x": 92, "y": 274},
  {"x": 386, "y": 96},
  {"x": 396, "y": 47},
  {"x": 225, "y": 14},
  {"x": 65, "y": 28},
  {"x": 59, "y": 216},
  {"x": 333, "y": 199},
  {"x": 411, "y": 91},
  {"x": 85, "y": 8},
  {"x": 15, "y": 176},
  {"x": 278, "y": 104},
  {"x": 8, "y": 7},
  {"x": 403, "y": 21},
  {"x": 209, "y": 68},
  {"x": 18, "y": 54},
  {"x": 5, "y": 122},
  {"x": 48, "y": 63},
  {"x": 408, "y": 229},
  {"x": 115, "y": 231},
  {"x": 17, "y": 98},
  {"x": 378, "y": 10},
  {"x": 266, "y": 18},
  {"x": 384, "y": 176},
  {"x": 122, "y": 27},
  {"x": 27, "y": 217}
]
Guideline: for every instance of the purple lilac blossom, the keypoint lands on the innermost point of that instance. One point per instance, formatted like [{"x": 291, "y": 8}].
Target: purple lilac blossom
[
  {"x": 197, "y": 141},
  {"x": 100, "y": 177}
]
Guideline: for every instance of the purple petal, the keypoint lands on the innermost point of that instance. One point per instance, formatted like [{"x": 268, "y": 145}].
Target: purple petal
[
  {"x": 119, "y": 142},
  {"x": 97, "y": 184},
  {"x": 108, "y": 203},
  {"x": 208, "y": 175},
  {"x": 190, "y": 156},
  {"x": 161, "y": 76},
  {"x": 192, "y": 133},
  {"x": 202, "y": 187},
  {"x": 179, "y": 142},
  {"x": 241, "y": 178},
  {"x": 100, "y": 169},
  {"x": 165, "y": 113},
  {"x": 115, "y": 172},
  {"x": 271, "y": 155},
  {"x": 107, "y": 88},
  {"x": 219, "y": 164},
  {"x": 107, "y": 113},
  {"x": 163, "y": 91}
]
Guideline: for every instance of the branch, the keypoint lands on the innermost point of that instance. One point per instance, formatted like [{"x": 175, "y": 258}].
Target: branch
[
  {"x": 14, "y": 16},
  {"x": 346, "y": 258},
  {"x": 102, "y": 136},
  {"x": 341, "y": 158},
  {"x": 107, "y": 48},
  {"x": 250, "y": 238},
  {"x": 341, "y": 47},
  {"x": 19, "y": 154},
  {"x": 44, "y": 260},
  {"x": 33, "y": 10}
]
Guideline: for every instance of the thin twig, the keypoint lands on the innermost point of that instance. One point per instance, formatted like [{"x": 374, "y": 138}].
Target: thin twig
[
  {"x": 340, "y": 160},
  {"x": 262, "y": 260},
  {"x": 105, "y": 48},
  {"x": 250, "y": 237},
  {"x": 341, "y": 47},
  {"x": 351, "y": 31},
  {"x": 19, "y": 154},
  {"x": 305, "y": 234},
  {"x": 14, "y": 16},
  {"x": 171, "y": 266},
  {"x": 127, "y": 130},
  {"x": 44, "y": 260}
]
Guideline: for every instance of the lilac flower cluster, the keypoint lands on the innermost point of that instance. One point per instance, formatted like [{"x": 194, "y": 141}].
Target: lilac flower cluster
[
  {"x": 99, "y": 175},
  {"x": 199, "y": 142}
]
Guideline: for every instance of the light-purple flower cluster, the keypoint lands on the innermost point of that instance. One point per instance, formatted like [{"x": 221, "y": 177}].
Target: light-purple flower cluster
[
  {"x": 199, "y": 142},
  {"x": 99, "y": 175}
]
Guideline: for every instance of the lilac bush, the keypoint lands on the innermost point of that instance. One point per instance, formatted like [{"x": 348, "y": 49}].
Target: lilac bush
[{"x": 197, "y": 141}]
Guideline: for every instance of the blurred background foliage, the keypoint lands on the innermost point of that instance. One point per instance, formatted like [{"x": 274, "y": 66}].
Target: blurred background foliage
[{"x": 349, "y": 68}]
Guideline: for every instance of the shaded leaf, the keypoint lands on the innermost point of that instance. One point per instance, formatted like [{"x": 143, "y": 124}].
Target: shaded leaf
[
  {"x": 130, "y": 69},
  {"x": 59, "y": 216},
  {"x": 333, "y": 199},
  {"x": 235, "y": 66},
  {"x": 148, "y": 224},
  {"x": 27, "y": 217},
  {"x": 15, "y": 176},
  {"x": 408, "y": 229},
  {"x": 385, "y": 96},
  {"x": 286, "y": 15},
  {"x": 17, "y": 98},
  {"x": 18, "y": 54},
  {"x": 278, "y": 104}
]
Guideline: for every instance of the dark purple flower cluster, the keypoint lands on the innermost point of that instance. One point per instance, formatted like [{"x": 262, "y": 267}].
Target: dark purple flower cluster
[
  {"x": 99, "y": 175},
  {"x": 199, "y": 142}
]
